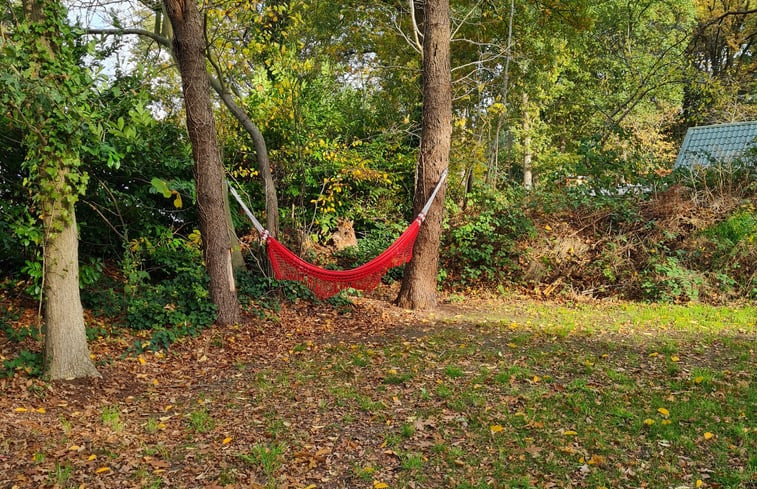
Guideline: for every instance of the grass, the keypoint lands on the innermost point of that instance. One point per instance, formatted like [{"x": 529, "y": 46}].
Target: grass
[
  {"x": 619, "y": 395},
  {"x": 528, "y": 395},
  {"x": 111, "y": 417}
]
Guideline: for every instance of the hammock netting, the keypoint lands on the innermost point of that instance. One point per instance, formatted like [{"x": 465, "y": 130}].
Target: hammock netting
[{"x": 325, "y": 283}]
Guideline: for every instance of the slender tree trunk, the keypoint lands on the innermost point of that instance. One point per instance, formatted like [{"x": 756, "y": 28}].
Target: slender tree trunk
[
  {"x": 66, "y": 352},
  {"x": 189, "y": 52},
  {"x": 261, "y": 155},
  {"x": 237, "y": 260},
  {"x": 418, "y": 290},
  {"x": 527, "y": 152}
]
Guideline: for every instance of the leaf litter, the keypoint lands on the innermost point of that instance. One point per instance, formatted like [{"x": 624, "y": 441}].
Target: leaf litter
[{"x": 477, "y": 395}]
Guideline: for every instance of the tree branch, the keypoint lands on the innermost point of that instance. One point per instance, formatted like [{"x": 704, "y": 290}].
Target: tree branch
[{"x": 162, "y": 40}]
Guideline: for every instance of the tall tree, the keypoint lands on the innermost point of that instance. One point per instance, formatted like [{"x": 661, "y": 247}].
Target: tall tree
[
  {"x": 189, "y": 47},
  {"x": 47, "y": 94},
  {"x": 418, "y": 290}
]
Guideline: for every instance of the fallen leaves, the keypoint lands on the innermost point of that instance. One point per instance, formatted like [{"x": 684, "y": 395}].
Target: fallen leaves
[{"x": 586, "y": 413}]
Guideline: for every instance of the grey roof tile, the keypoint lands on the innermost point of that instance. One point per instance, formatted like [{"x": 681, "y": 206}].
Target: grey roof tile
[{"x": 704, "y": 145}]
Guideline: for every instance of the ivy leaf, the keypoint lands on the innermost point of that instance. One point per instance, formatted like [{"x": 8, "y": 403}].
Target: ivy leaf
[{"x": 161, "y": 186}]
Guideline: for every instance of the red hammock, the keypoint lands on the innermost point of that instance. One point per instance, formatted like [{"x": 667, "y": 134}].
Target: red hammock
[{"x": 325, "y": 283}]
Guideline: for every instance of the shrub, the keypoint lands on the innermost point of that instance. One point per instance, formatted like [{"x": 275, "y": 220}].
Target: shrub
[
  {"x": 667, "y": 280},
  {"x": 481, "y": 242},
  {"x": 166, "y": 287}
]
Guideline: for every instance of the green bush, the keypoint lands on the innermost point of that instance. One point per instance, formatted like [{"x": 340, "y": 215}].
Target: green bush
[
  {"x": 730, "y": 250},
  {"x": 480, "y": 243},
  {"x": 261, "y": 295},
  {"x": 668, "y": 281},
  {"x": 167, "y": 287}
]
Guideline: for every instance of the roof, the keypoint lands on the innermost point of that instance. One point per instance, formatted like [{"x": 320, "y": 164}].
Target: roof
[{"x": 721, "y": 143}]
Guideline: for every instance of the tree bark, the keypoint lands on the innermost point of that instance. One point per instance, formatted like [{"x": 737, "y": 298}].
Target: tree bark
[
  {"x": 188, "y": 46},
  {"x": 418, "y": 290},
  {"x": 527, "y": 152},
  {"x": 261, "y": 155},
  {"x": 66, "y": 352},
  {"x": 237, "y": 260}
]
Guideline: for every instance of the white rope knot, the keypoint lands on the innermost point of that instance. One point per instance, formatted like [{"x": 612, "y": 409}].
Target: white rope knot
[
  {"x": 264, "y": 235},
  {"x": 422, "y": 216}
]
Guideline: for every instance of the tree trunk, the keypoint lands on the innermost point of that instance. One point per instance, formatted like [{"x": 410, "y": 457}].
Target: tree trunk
[
  {"x": 527, "y": 152},
  {"x": 188, "y": 48},
  {"x": 237, "y": 260},
  {"x": 66, "y": 351},
  {"x": 418, "y": 290},
  {"x": 66, "y": 354},
  {"x": 261, "y": 155}
]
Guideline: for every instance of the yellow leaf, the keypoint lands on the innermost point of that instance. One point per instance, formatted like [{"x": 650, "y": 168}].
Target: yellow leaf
[
  {"x": 649, "y": 421},
  {"x": 512, "y": 345},
  {"x": 20, "y": 410},
  {"x": 548, "y": 227},
  {"x": 226, "y": 440},
  {"x": 155, "y": 382},
  {"x": 698, "y": 380},
  {"x": 92, "y": 457},
  {"x": 569, "y": 433},
  {"x": 674, "y": 358},
  {"x": 663, "y": 411},
  {"x": 311, "y": 486},
  {"x": 102, "y": 470},
  {"x": 665, "y": 422},
  {"x": 708, "y": 435},
  {"x": 596, "y": 460},
  {"x": 536, "y": 379},
  {"x": 496, "y": 428},
  {"x": 142, "y": 360},
  {"x": 74, "y": 448},
  {"x": 41, "y": 410},
  {"x": 699, "y": 483},
  {"x": 380, "y": 485}
]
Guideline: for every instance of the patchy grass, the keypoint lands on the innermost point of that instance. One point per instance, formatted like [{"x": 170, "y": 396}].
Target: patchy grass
[{"x": 524, "y": 394}]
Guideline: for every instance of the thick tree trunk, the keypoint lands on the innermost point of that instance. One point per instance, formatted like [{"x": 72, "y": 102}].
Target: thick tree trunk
[
  {"x": 418, "y": 290},
  {"x": 66, "y": 352},
  {"x": 188, "y": 50}
]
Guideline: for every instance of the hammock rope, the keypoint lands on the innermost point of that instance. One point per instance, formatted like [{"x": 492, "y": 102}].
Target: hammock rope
[{"x": 325, "y": 283}]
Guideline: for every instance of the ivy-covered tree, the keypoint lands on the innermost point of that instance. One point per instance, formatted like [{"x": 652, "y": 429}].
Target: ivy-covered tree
[{"x": 47, "y": 93}]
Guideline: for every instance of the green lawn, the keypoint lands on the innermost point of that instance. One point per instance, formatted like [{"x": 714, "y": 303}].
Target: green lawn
[{"x": 514, "y": 394}]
